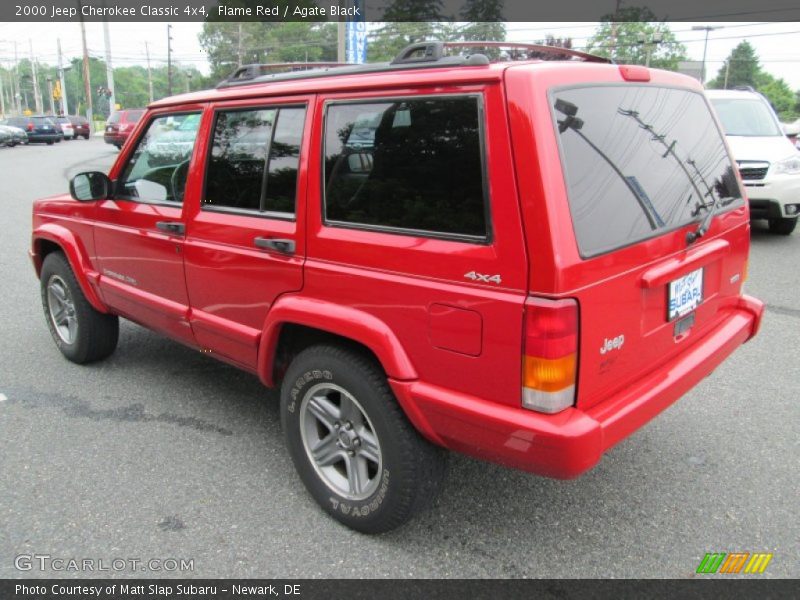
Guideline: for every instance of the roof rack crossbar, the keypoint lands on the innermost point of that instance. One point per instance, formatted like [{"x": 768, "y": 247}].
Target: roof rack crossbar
[
  {"x": 249, "y": 72},
  {"x": 539, "y": 48}
]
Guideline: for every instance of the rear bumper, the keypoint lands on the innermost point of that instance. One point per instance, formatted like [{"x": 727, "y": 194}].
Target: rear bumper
[
  {"x": 117, "y": 139},
  {"x": 568, "y": 443}
]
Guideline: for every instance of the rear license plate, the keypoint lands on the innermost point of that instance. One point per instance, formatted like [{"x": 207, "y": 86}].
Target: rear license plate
[{"x": 685, "y": 294}]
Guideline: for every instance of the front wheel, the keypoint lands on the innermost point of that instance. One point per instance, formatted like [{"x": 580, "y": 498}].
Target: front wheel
[
  {"x": 352, "y": 445},
  {"x": 81, "y": 333},
  {"x": 782, "y": 226}
]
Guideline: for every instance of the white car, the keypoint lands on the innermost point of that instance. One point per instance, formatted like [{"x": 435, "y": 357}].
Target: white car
[
  {"x": 66, "y": 127},
  {"x": 768, "y": 161}
]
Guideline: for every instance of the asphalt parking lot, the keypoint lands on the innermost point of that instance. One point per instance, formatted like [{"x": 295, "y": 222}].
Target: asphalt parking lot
[{"x": 162, "y": 453}]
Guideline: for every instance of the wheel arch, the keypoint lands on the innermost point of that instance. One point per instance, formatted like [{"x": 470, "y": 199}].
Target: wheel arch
[
  {"x": 296, "y": 322},
  {"x": 54, "y": 238}
]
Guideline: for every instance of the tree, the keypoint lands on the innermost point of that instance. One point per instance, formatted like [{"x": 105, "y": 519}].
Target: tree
[
  {"x": 625, "y": 37},
  {"x": 485, "y": 21},
  {"x": 780, "y": 95},
  {"x": 230, "y": 44},
  {"x": 740, "y": 68}
]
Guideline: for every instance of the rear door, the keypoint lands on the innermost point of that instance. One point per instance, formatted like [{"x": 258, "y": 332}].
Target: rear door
[
  {"x": 245, "y": 244},
  {"x": 643, "y": 165},
  {"x": 416, "y": 222}
]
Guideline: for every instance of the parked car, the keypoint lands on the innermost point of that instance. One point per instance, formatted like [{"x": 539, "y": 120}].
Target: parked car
[
  {"x": 15, "y": 135},
  {"x": 66, "y": 126},
  {"x": 6, "y": 138},
  {"x": 81, "y": 127},
  {"x": 769, "y": 163},
  {"x": 521, "y": 261},
  {"x": 792, "y": 131},
  {"x": 119, "y": 126},
  {"x": 38, "y": 128}
]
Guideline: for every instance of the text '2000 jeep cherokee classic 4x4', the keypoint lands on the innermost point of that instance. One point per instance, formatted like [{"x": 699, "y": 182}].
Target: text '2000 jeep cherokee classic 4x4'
[{"x": 520, "y": 261}]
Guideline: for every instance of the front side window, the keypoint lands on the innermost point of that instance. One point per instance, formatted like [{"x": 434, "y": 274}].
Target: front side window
[
  {"x": 254, "y": 160},
  {"x": 411, "y": 165},
  {"x": 157, "y": 169}
]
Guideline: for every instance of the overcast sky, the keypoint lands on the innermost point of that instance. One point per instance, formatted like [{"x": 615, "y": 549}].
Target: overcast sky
[{"x": 777, "y": 44}]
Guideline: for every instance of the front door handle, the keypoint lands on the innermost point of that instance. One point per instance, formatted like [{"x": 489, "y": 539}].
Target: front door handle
[
  {"x": 280, "y": 245},
  {"x": 171, "y": 227}
]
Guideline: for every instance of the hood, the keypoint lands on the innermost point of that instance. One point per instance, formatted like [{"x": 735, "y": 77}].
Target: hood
[{"x": 769, "y": 149}]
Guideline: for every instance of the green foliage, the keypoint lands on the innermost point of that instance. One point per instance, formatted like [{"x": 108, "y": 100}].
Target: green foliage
[
  {"x": 630, "y": 27},
  {"x": 228, "y": 45},
  {"x": 743, "y": 68}
]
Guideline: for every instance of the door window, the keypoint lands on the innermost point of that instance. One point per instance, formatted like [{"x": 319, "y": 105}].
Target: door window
[
  {"x": 158, "y": 167},
  {"x": 412, "y": 166},
  {"x": 254, "y": 160}
]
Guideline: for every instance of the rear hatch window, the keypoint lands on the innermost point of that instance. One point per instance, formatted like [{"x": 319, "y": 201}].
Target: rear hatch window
[
  {"x": 639, "y": 161},
  {"x": 133, "y": 116}
]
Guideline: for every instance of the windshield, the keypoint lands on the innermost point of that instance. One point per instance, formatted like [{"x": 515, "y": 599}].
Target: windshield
[
  {"x": 638, "y": 161},
  {"x": 751, "y": 117}
]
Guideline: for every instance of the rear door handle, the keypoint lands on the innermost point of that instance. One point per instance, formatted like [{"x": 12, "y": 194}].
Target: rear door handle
[
  {"x": 171, "y": 227},
  {"x": 279, "y": 245}
]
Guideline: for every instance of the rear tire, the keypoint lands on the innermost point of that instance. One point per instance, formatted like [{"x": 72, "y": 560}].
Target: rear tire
[
  {"x": 50, "y": 143},
  {"x": 351, "y": 444},
  {"x": 81, "y": 333},
  {"x": 782, "y": 226}
]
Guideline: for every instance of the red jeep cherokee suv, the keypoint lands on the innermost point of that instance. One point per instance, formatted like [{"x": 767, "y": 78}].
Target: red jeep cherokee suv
[{"x": 521, "y": 261}]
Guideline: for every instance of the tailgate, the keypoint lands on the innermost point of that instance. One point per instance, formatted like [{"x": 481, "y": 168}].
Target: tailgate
[{"x": 645, "y": 166}]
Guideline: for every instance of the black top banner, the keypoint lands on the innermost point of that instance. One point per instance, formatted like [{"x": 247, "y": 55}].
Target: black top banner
[{"x": 397, "y": 10}]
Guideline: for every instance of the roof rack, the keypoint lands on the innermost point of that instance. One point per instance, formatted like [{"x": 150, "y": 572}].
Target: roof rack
[
  {"x": 248, "y": 72},
  {"x": 419, "y": 55},
  {"x": 533, "y": 50}
]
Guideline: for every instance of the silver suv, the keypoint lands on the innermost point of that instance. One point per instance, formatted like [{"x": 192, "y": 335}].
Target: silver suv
[{"x": 768, "y": 162}]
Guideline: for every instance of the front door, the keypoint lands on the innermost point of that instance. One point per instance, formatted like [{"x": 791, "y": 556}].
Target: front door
[
  {"x": 139, "y": 233},
  {"x": 245, "y": 244}
]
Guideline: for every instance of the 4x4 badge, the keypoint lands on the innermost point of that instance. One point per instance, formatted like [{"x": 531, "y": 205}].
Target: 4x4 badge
[{"x": 483, "y": 278}]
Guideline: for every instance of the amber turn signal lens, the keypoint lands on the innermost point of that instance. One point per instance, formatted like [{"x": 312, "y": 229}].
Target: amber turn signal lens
[{"x": 549, "y": 374}]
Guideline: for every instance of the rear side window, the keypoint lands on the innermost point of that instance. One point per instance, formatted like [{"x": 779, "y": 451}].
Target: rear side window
[
  {"x": 254, "y": 159},
  {"x": 638, "y": 162},
  {"x": 414, "y": 166}
]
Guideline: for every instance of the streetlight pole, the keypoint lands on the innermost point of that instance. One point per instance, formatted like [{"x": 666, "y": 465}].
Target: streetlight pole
[{"x": 708, "y": 29}]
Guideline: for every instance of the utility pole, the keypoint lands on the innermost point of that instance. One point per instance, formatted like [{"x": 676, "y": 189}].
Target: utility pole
[
  {"x": 87, "y": 84},
  {"x": 112, "y": 101},
  {"x": 341, "y": 50},
  {"x": 708, "y": 29},
  {"x": 613, "y": 50},
  {"x": 50, "y": 93},
  {"x": 37, "y": 93},
  {"x": 149, "y": 74},
  {"x": 727, "y": 72},
  {"x": 239, "y": 48},
  {"x": 64, "y": 104},
  {"x": 169, "y": 60},
  {"x": 188, "y": 81},
  {"x": 18, "y": 95},
  {"x": 2, "y": 98}
]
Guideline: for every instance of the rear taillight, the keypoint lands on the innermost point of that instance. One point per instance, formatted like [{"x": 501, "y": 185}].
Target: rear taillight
[
  {"x": 549, "y": 364},
  {"x": 30, "y": 127}
]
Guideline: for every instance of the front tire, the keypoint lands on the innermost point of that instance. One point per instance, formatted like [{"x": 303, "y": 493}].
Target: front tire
[
  {"x": 782, "y": 226},
  {"x": 352, "y": 445},
  {"x": 81, "y": 333}
]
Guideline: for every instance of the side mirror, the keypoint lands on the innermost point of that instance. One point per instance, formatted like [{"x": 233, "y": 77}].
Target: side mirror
[{"x": 89, "y": 186}]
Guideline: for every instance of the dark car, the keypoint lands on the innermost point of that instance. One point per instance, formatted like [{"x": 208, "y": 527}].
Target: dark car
[
  {"x": 38, "y": 128},
  {"x": 81, "y": 127},
  {"x": 120, "y": 124}
]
